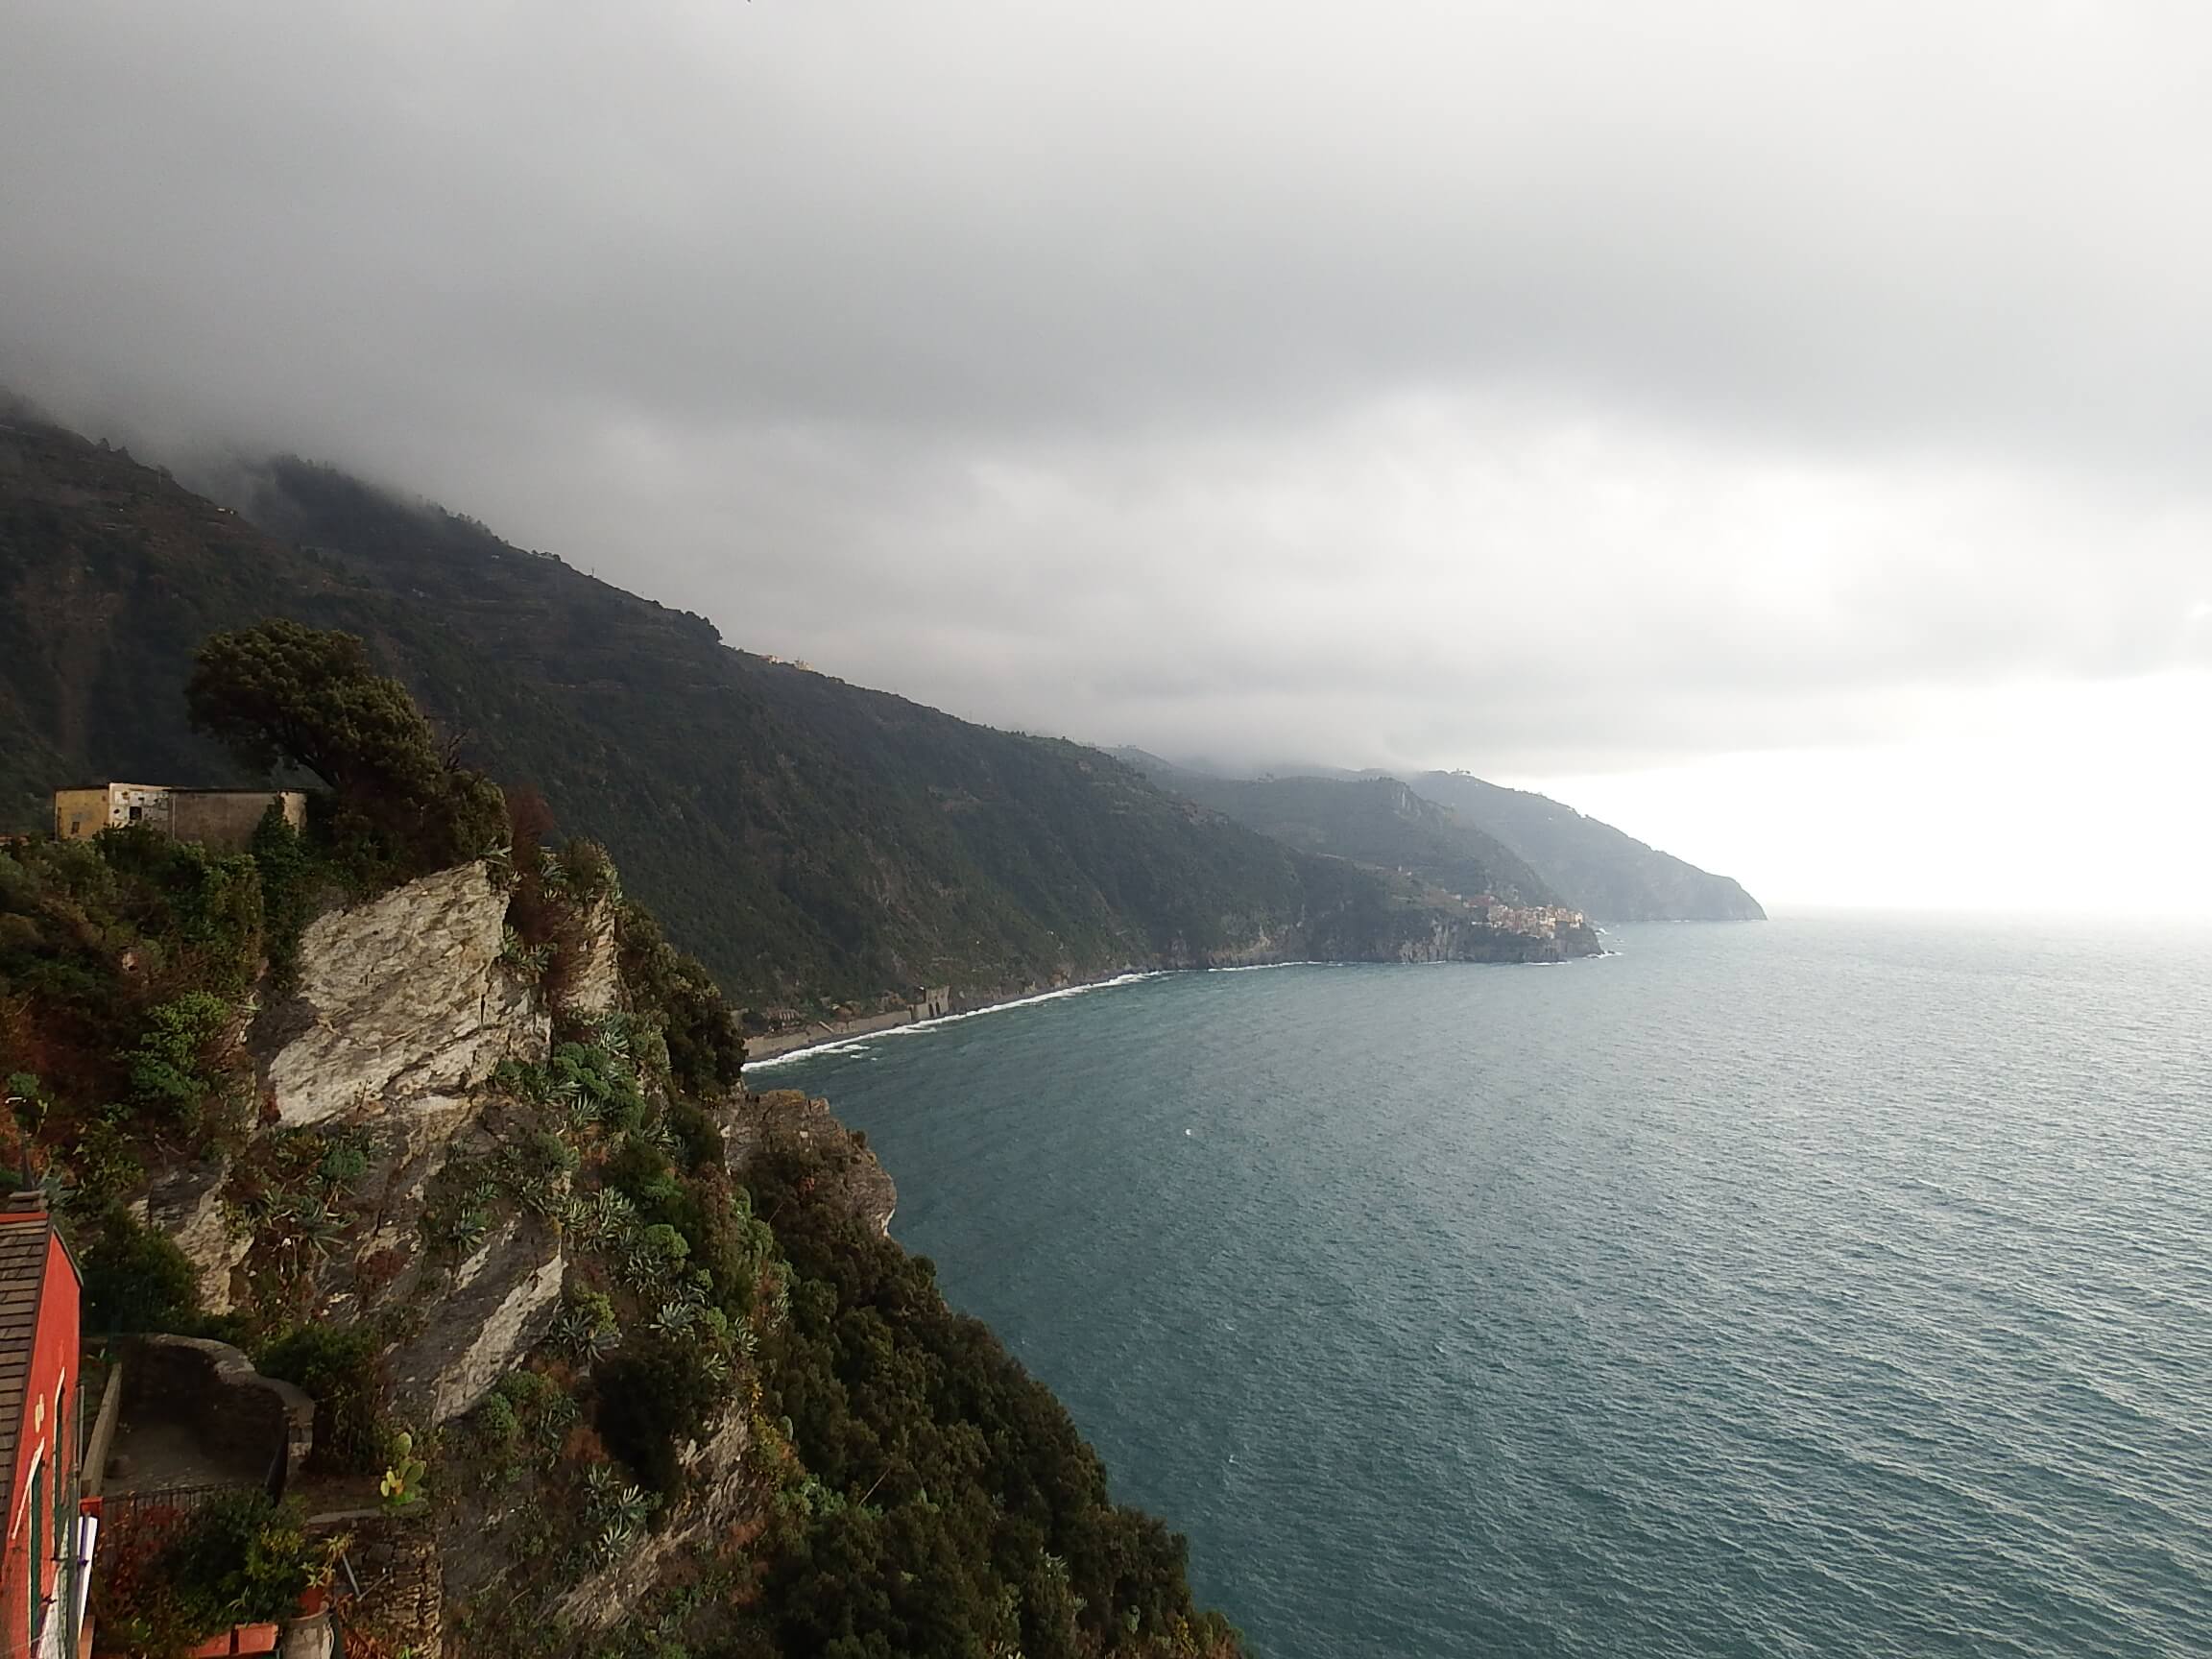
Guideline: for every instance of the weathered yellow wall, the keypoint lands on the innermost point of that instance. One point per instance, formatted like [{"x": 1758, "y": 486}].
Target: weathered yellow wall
[
  {"x": 92, "y": 811},
  {"x": 79, "y": 813},
  {"x": 227, "y": 818}
]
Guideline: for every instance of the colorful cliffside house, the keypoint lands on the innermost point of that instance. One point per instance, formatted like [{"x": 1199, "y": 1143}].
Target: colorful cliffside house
[{"x": 43, "y": 1572}]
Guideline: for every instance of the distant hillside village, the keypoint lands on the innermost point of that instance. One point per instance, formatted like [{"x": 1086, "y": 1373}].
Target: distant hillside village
[
  {"x": 1533, "y": 920},
  {"x": 1539, "y": 921}
]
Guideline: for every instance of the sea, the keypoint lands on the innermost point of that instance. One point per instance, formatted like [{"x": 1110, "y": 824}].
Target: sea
[{"x": 1834, "y": 1285}]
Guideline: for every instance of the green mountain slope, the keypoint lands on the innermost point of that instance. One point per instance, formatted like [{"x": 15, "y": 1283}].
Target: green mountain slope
[
  {"x": 1607, "y": 874},
  {"x": 1373, "y": 820},
  {"x": 814, "y": 842}
]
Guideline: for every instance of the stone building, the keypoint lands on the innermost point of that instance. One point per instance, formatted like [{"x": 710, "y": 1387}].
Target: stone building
[{"x": 224, "y": 818}]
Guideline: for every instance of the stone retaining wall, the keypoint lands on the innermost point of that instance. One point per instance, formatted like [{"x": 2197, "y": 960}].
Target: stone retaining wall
[{"x": 257, "y": 1422}]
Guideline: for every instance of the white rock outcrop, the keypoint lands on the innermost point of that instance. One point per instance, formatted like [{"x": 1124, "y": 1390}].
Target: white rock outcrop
[
  {"x": 593, "y": 980},
  {"x": 495, "y": 1311},
  {"x": 404, "y": 995},
  {"x": 187, "y": 1204}
]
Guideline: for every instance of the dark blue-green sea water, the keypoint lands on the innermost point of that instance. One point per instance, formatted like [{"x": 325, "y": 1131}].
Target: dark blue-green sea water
[{"x": 1822, "y": 1288}]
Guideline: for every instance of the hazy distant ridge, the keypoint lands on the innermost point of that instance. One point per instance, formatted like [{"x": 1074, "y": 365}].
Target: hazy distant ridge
[
  {"x": 1466, "y": 834},
  {"x": 1603, "y": 872},
  {"x": 1375, "y": 820}
]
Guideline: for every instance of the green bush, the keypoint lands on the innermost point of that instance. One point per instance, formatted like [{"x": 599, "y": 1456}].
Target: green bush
[
  {"x": 696, "y": 1132},
  {"x": 175, "y": 1069},
  {"x": 135, "y": 1278},
  {"x": 642, "y": 1171},
  {"x": 105, "y": 1159},
  {"x": 241, "y": 1559},
  {"x": 678, "y": 998},
  {"x": 205, "y": 907},
  {"x": 291, "y": 881},
  {"x": 336, "y": 1364}
]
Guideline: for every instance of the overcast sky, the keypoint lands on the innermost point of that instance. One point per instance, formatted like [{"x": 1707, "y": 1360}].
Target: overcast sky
[{"x": 1780, "y": 429}]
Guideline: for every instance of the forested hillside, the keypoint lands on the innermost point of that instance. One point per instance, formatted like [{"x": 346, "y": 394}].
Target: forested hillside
[{"x": 815, "y": 842}]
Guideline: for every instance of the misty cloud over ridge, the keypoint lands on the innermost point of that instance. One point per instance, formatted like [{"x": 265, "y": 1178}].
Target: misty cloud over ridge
[{"x": 1535, "y": 389}]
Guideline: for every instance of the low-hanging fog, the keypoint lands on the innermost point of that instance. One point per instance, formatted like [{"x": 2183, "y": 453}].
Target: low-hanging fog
[{"x": 1781, "y": 433}]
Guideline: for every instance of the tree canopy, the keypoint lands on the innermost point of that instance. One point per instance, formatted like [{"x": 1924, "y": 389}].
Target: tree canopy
[{"x": 283, "y": 694}]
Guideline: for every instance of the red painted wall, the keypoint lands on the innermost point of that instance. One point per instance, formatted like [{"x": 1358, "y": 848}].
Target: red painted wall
[{"x": 48, "y": 1439}]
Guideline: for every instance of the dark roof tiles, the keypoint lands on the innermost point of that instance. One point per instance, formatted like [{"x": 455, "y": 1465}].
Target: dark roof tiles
[{"x": 23, "y": 1236}]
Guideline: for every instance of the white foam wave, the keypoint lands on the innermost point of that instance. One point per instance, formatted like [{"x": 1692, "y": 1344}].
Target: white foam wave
[{"x": 849, "y": 1043}]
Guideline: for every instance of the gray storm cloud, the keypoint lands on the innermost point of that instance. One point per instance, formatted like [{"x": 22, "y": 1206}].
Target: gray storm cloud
[{"x": 1527, "y": 387}]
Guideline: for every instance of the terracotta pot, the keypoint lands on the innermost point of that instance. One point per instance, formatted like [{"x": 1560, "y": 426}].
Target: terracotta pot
[
  {"x": 254, "y": 1639},
  {"x": 313, "y": 1599}
]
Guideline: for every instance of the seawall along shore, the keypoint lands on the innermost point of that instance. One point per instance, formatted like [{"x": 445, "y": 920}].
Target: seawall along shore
[{"x": 824, "y": 1031}]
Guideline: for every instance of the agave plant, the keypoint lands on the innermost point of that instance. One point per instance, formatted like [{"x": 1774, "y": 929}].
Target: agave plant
[
  {"x": 605, "y": 1220},
  {"x": 568, "y": 1213},
  {"x": 458, "y": 1230},
  {"x": 644, "y": 1270},
  {"x": 316, "y": 1230},
  {"x": 675, "y": 1316},
  {"x": 611, "y": 1032},
  {"x": 662, "y": 1135},
  {"x": 581, "y": 1335}
]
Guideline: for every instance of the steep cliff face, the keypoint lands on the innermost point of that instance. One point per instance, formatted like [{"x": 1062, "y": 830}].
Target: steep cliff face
[
  {"x": 624, "y": 1347},
  {"x": 480, "y": 1193},
  {"x": 424, "y": 1175}
]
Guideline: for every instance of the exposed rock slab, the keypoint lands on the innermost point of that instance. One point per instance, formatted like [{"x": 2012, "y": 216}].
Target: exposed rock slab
[
  {"x": 787, "y": 1117},
  {"x": 187, "y": 1205},
  {"x": 403, "y": 995},
  {"x": 591, "y": 979},
  {"x": 497, "y": 1307}
]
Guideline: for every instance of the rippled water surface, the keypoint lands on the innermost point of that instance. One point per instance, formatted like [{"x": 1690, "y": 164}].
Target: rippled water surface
[{"x": 1836, "y": 1288}]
